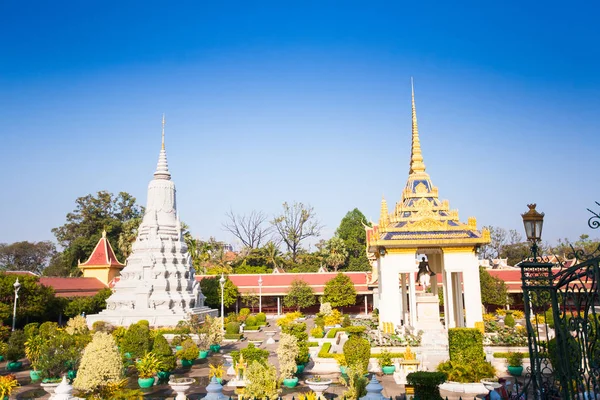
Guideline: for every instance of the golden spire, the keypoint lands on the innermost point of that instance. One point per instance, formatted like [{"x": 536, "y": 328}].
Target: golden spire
[
  {"x": 383, "y": 214},
  {"x": 416, "y": 157},
  {"x": 163, "y": 132}
]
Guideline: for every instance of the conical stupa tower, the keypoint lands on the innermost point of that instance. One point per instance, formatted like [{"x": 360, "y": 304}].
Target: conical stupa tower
[{"x": 158, "y": 283}]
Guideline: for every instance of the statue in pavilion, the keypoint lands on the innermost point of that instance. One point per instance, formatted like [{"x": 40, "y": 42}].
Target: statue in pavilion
[{"x": 424, "y": 274}]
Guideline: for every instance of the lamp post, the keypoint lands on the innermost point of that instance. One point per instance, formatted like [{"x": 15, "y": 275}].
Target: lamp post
[
  {"x": 533, "y": 222},
  {"x": 222, "y": 282},
  {"x": 259, "y": 294},
  {"x": 17, "y": 286}
]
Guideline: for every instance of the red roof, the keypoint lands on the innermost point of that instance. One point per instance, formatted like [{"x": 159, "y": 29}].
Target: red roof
[
  {"x": 73, "y": 287},
  {"x": 26, "y": 273},
  {"x": 103, "y": 254},
  {"x": 278, "y": 284}
]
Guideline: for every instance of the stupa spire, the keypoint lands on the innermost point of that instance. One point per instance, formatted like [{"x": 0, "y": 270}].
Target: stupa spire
[
  {"x": 416, "y": 157},
  {"x": 383, "y": 213},
  {"x": 162, "y": 168}
]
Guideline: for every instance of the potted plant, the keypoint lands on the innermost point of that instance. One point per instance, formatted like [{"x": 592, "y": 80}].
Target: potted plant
[
  {"x": 8, "y": 383},
  {"x": 215, "y": 333},
  {"x": 165, "y": 355},
  {"x": 203, "y": 345},
  {"x": 59, "y": 353},
  {"x": 178, "y": 340},
  {"x": 15, "y": 351},
  {"x": 341, "y": 360},
  {"x": 287, "y": 351},
  {"x": 180, "y": 386},
  {"x": 515, "y": 363},
  {"x": 147, "y": 367},
  {"x": 32, "y": 351},
  {"x": 318, "y": 385},
  {"x": 188, "y": 353},
  {"x": 218, "y": 371},
  {"x": 385, "y": 361},
  {"x": 3, "y": 349}
]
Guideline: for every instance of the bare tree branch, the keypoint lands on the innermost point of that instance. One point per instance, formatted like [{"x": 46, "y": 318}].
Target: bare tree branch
[
  {"x": 249, "y": 229},
  {"x": 296, "y": 223}
]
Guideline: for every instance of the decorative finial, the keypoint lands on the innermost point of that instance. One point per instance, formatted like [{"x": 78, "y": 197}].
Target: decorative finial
[
  {"x": 163, "y": 132},
  {"x": 416, "y": 157},
  {"x": 104, "y": 233},
  {"x": 383, "y": 214}
]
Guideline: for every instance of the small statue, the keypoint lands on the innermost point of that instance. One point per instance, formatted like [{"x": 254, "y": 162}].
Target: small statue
[{"x": 424, "y": 273}]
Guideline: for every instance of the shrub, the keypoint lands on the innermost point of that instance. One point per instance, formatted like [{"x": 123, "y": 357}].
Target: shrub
[
  {"x": 334, "y": 318},
  {"x": 317, "y": 332},
  {"x": 251, "y": 353},
  {"x": 385, "y": 359},
  {"x": 136, "y": 340},
  {"x": 16, "y": 346},
  {"x": 515, "y": 359},
  {"x": 465, "y": 345},
  {"x": 31, "y": 330},
  {"x": 500, "y": 311},
  {"x": 509, "y": 320},
  {"x": 251, "y": 321},
  {"x": 213, "y": 329},
  {"x": 356, "y": 383},
  {"x": 164, "y": 353},
  {"x": 233, "y": 317},
  {"x": 101, "y": 365},
  {"x": 118, "y": 334},
  {"x": 178, "y": 339},
  {"x": 489, "y": 317},
  {"x": 58, "y": 354},
  {"x": 357, "y": 351},
  {"x": 298, "y": 329},
  {"x": 287, "y": 351},
  {"x": 426, "y": 384},
  {"x": 47, "y": 329},
  {"x": 549, "y": 318},
  {"x": 233, "y": 336},
  {"x": 320, "y": 321},
  {"x": 261, "y": 381},
  {"x": 325, "y": 309},
  {"x": 190, "y": 350},
  {"x": 232, "y": 328},
  {"x": 355, "y": 330},
  {"x": 8, "y": 383},
  {"x": 3, "y": 348},
  {"x": 467, "y": 372},
  {"x": 313, "y": 344},
  {"x": 261, "y": 318},
  {"x": 77, "y": 326},
  {"x": 324, "y": 352},
  {"x": 33, "y": 347},
  {"x": 346, "y": 321},
  {"x": 518, "y": 314},
  {"x": 148, "y": 365},
  {"x": 245, "y": 312},
  {"x": 102, "y": 326},
  {"x": 289, "y": 318}
]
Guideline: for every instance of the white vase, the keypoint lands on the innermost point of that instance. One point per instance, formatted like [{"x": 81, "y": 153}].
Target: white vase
[
  {"x": 180, "y": 386},
  {"x": 318, "y": 387},
  {"x": 49, "y": 388}
]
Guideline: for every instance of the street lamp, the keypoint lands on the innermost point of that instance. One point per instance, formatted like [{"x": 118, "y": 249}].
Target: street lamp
[
  {"x": 17, "y": 286},
  {"x": 259, "y": 294},
  {"x": 533, "y": 222},
  {"x": 222, "y": 282}
]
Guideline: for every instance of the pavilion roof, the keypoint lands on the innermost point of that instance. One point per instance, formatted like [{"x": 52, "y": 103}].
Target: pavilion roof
[{"x": 103, "y": 254}]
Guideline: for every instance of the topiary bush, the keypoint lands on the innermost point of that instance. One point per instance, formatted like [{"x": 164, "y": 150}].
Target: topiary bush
[
  {"x": 465, "y": 345},
  {"x": 261, "y": 318},
  {"x": 232, "y": 328},
  {"x": 357, "y": 352},
  {"x": 251, "y": 353},
  {"x": 16, "y": 346},
  {"x": 467, "y": 372},
  {"x": 189, "y": 352},
  {"x": 245, "y": 311},
  {"x": 346, "y": 321},
  {"x": 136, "y": 340},
  {"x": 100, "y": 365},
  {"x": 426, "y": 384},
  {"x": 251, "y": 321},
  {"x": 164, "y": 353},
  {"x": 317, "y": 332},
  {"x": 261, "y": 381},
  {"x": 509, "y": 320}
]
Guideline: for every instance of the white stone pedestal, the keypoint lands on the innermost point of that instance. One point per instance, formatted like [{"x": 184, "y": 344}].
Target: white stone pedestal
[{"x": 428, "y": 312}]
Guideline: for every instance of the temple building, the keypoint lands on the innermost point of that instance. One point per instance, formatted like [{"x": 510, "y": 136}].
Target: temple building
[
  {"x": 158, "y": 282},
  {"x": 421, "y": 227},
  {"x": 102, "y": 264}
]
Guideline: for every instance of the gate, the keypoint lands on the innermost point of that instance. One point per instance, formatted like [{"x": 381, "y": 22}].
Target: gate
[{"x": 562, "y": 310}]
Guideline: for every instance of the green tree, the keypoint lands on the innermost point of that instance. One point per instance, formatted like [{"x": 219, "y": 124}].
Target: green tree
[
  {"x": 128, "y": 235},
  {"x": 250, "y": 299},
  {"x": 339, "y": 291},
  {"x": 565, "y": 247},
  {"x": 87, "y": 305},
  {"x": 211, "y": 289},
  {"x": 336, "y": 253},
  {"x": 352, "y": 232},
  {"x": 84, "y": 226},
  {"x": 493, "y": 290},
  {"x": 26, "y": 256},
  {"x": 273, "y": 254},
  {"x": 299, "y": 295},
  {"x": 36, "y": 302},
  {"x": 295, "y": 224}
]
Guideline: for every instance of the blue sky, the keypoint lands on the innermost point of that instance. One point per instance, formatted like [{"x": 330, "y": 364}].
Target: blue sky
[{"x": 269, "y": 102}]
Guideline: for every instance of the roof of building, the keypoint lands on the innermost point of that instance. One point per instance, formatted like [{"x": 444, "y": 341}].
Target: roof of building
[
  {"x": 102, "y": 255},
  {"x": 279, "y": 284},
  {"x": 73, "y": 287},
  {"x": 420, "y": 217},
  {"x": 25, "y": 273}
]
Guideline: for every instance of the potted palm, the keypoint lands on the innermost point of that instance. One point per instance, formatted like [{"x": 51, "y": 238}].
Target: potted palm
[
  {"x": 147, "y": 367},
  {"x": 515, "y": 363},
  {"x": 188, "y": 353},
  {"x": 33, "y": 351},
  {"x": 287, "y": 351},
  {"x": 8, "y": 383},
  {"x": 218, "y": 371},
  {"x": 385, "y": 361}
]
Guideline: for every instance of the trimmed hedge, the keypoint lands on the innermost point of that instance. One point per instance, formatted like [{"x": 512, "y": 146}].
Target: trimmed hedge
[
  {"x": 350, "y": 330},
  {"x": 357, "y": 352},
  {"x": 324, "y": 352},
  {"x": 465, "y": 345},
  {"x": 313, "y": 344},
  {"x": 232, "y": 328},
  {"x": 505, "y": 355},
  {"x": 233, "y": 336},
  {"x": 426, "y": 383}
]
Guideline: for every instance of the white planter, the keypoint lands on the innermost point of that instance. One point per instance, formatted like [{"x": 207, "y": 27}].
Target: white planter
[
  {"x": 49, "y": 388},
  {"x": 180, "y": 386},
  {"x": 318, "y": 387},
  {"x": 471, "y": 388}
]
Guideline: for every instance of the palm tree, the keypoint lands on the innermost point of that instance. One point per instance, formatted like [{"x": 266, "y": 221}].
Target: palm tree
[
  {"x": 337, "y": 252},
  {"x": 273, "y": 253}
]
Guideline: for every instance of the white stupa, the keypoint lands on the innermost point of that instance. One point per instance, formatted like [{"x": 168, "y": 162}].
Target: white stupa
[{"x": 158, "y": 283}]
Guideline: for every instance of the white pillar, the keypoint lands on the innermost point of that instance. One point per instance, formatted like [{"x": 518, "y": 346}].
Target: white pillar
[
  {"x": 366, "y": 305},
  {"x": 449, "y": 302},
  {"x": 459, "y": 313},
  {"x": 434, "y": 264},
  {"x": 403, "y": 306},
  {"x": 389, "y": 305},
  {"x": 472, "y": 294},
  {"x": 413, "y": 299},
  {"x": 278, "y": 305}
]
